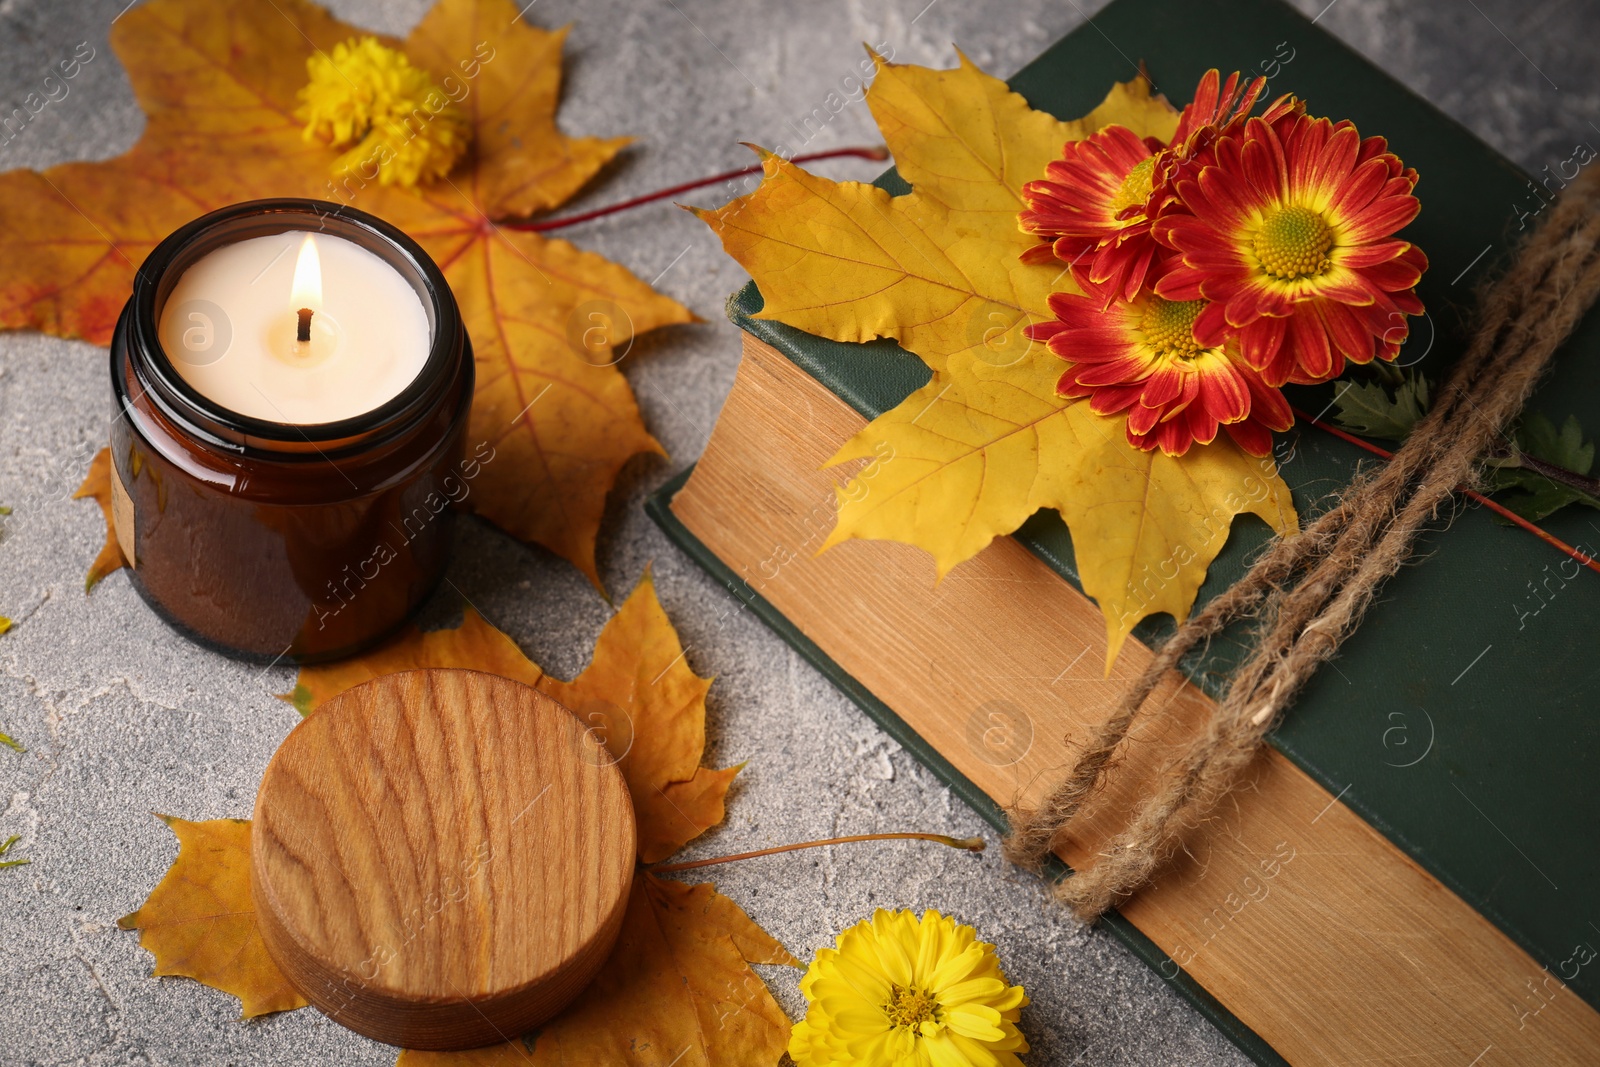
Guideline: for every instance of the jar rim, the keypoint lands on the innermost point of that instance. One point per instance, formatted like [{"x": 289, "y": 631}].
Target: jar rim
[{"x": 160, "y": 272}]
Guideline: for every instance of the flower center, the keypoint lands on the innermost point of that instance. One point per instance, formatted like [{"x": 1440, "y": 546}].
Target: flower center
[
  {"x": 1293, "y": 243},
  {"x": 1135, "y": 188},
  {"x": 1168, "y": 326},
  {"x": 909, "y": 1007}
]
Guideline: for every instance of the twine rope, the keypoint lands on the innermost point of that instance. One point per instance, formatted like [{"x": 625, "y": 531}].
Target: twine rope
[{"x": 1310, "y": 591}]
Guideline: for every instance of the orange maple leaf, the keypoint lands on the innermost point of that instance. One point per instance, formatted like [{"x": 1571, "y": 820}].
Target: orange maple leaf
[
  {"x": 218, "y": 85},
  {"x": 677, "y": 990},
  {"x": 638, "y": 696},
  {"x": 678, "y": 979},
  {"x": 474, "y": 644},
  {"x": 639, "y": 686},
  {"x": 97, "y": 484}
]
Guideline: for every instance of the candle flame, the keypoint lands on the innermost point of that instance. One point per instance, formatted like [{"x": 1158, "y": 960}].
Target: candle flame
[{"x": 307, "y": 289}]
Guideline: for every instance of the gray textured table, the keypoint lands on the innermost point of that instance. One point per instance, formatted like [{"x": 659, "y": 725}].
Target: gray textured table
[{"x": 121, "y": 717}]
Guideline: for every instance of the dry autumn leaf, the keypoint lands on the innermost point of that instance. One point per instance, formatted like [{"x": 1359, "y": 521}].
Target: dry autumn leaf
[
  {"x": 937, "y": 269},
  {"x": 638, "y": 695},
  {"x": 639, "y": 685},
  {"x": 678, "y": 988},
  {"x": 996, "y": 445},
  {"x": 97, "y": 484},
  {"x": 199, "y": 921},
  {"x": 678, "y": 992},
  {"x": 218, "y": 83},
  {"x": 474, "y": 644},
  {"x": 988, "y": 441}
]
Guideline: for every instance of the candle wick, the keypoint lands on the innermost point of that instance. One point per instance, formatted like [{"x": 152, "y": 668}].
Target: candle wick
[{"x": 303, "y": 333}]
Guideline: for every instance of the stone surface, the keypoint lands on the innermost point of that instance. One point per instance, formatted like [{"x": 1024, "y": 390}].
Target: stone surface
[{"x": 121, "y": 717}]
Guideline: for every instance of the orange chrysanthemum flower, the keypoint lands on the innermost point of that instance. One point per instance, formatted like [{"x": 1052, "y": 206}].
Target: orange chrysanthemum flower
[
  {"x": 1092, "y": 206},
  {"x": 1287, "y": 230},
  {"x": 1140, "y": 356},
  {"x": 1097, "y": 202}
]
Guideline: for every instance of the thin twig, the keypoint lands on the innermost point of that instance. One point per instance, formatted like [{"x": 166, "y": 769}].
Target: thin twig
[
  {"x": 1589, "y": 487},
  {"x": 877, "y": 153},
  {"x": 1499, "y": 509},
  {"x": 970, "y": 844}
]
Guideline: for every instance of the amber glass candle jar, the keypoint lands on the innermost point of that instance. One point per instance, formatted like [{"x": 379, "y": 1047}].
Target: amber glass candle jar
[{"x": 292, "y": 540}]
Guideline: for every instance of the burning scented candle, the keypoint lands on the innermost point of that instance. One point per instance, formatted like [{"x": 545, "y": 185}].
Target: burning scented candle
[
  {"x": 292, "y": 382},
  {"x": 294, "y": 355}
]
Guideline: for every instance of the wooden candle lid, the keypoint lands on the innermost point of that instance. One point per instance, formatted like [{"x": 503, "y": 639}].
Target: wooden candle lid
[{"x": 441, "y": 859}]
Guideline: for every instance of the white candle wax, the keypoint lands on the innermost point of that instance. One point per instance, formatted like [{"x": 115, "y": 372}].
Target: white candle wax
[{"x": 230, "y": 328}]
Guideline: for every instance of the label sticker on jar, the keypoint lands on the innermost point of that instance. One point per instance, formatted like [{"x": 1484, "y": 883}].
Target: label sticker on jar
[{"x": 122, "y": 515}]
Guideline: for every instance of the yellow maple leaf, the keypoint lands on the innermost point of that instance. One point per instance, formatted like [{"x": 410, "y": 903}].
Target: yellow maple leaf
[
  {"x": 199, "y": 921},
  {"x": 677, "y": 992},
  {"x": 937, "y": 269},
  {"x": 995, "y": 444},
  {"x": 965, "y": 141},
  {"x": 218, "y": 85},
  {"x": 988, "y": 441}
]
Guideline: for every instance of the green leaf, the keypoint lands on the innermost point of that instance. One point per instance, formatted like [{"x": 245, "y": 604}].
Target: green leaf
[
  {"x": 1531, "y": 494},
  {"x": 1538, "y": 437},
  {"x": 1367, "y": 408}
]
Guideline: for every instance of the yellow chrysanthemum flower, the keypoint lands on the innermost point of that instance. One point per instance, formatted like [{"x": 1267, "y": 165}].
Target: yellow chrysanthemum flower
[
  {"x": 899, "y": 991},
  {"x": 403, "y": 127}
]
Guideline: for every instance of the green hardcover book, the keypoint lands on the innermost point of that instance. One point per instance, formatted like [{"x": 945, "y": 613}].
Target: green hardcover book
[{"x": 1462, "y": 720}]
